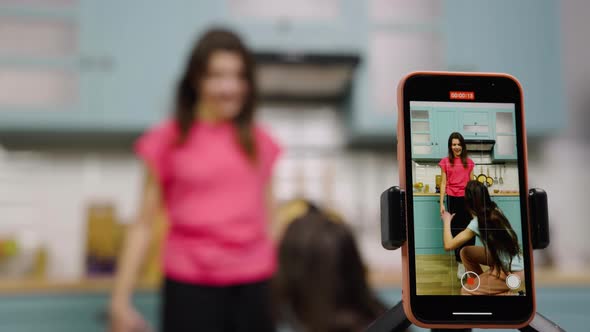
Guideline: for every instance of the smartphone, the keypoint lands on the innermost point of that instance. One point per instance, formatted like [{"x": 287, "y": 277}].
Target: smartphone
[{"x": 454, "y": 128}]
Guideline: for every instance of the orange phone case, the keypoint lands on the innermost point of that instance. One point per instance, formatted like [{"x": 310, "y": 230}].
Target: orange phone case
[{"x": 402, "y": 174}]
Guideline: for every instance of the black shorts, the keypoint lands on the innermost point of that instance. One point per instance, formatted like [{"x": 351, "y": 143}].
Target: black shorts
[{"x": 240, "y": 308}]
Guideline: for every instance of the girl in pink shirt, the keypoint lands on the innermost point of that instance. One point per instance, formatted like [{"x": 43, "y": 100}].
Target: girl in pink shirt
[
  {"x": 456, "y": 171},
  {"x": 210, "y": 168}
]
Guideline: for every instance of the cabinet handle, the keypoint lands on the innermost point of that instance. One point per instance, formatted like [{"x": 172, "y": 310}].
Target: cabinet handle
[
  {"x": 475, "y": 123},
  {"x": 103, "y": 316},
  {"x": 436, "y": 143}
]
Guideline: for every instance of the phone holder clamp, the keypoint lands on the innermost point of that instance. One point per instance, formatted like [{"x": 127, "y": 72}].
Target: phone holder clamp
[{"x": 394, "y": 235}]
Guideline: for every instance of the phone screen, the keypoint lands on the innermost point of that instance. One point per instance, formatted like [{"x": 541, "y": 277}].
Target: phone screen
[{"x": 464, "y": 163}]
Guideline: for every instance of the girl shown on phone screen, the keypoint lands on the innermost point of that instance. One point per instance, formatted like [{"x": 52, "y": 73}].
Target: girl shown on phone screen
[{"x": 456, "y": 171}]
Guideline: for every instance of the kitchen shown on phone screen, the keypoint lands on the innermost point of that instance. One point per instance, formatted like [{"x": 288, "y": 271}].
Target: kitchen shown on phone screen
[{"x": 465, "y": 175}]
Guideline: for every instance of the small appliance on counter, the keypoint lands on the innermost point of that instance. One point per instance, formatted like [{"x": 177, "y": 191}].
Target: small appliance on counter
[
  {"x": 103, "y": 239},
  {"x": 22, "y": 255}
]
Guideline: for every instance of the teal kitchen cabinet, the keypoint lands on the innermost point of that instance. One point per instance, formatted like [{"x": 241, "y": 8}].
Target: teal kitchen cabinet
[
  {"x": 430, "y": 132},
  {"x": 66, "y": 312},
  {"x": 505, "y": 136},
  {"x": 119, "y": 73},
  {"x": 333, "y": 27},
  {"x": 145, "y": 46},
  {"x": 475, "y": 124},
  {"x": 428, "y": 228},
  {"x": 40, "y": 79},
  {"x": 127, "y": 57},
  {"x": 148, "y": 57},
  {"x": 423, "y": 133},
  {"x": 521, "y": 38},
  {"x": 446, "y": 122}
]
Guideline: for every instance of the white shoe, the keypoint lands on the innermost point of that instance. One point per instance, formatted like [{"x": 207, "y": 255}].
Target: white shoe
[{"x": 460, "y": 270}]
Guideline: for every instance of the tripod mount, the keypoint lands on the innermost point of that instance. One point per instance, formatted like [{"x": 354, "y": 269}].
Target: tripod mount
[{"x": 393, "y": 236}]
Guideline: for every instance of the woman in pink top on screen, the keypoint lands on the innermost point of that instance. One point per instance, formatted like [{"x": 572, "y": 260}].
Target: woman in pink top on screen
[
  {"x": 210, "y": 168},
  {"x": 456, "y": 171}
]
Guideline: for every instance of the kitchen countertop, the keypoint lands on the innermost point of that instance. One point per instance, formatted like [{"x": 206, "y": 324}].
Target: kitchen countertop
[
  {"x": 90, "y": 284},
  {"x": 378, "y": 278}
]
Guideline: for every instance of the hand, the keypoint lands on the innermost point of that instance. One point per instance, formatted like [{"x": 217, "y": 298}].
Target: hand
[
  {"x": 124, "y": 318},
  {"x": 447, "y": 217},
  {"x": 442, "y": 209}
]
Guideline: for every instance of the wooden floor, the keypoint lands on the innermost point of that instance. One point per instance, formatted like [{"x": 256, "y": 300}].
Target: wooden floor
[{"x": 437, "y": 275}]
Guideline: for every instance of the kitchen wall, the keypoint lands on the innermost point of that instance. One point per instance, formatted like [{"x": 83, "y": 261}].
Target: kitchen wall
[
  {"x": 47, "y": 193},
  {"x": 426, "y": 172},
  {"x": 318, "y": 165},
  {"x": 563, "y": 165},
  {"x": 45, "y": 196}
]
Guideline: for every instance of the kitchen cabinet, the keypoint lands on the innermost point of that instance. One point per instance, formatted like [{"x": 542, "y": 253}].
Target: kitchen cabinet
[
  {"x": 66, "y": 312},
  {"x": 430, "y": 132},
  {"x": 135, "y": 87},
  {"x": 431, "y": 127},
  {"x": 40, "y": 80},
  {"x": 428, "y": 227},
  {"x": 123, "y": 70},
  {"x": 475, "y": 124},
  {"x": 410, "y": 37},
  {"x": 299, "y": 26},
  {"x": 521, "y": 38},
  {"x": 505, "y": 135},
  {"x": 446, "y": 123},
  {"x": 123, "y": 67},
  {"x": 422, "y": 128}
]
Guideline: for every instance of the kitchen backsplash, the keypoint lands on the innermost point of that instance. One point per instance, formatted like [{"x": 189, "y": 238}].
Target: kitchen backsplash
[
  {"x": 426, "y": 172},
  {"x": 48, "y": 193}
]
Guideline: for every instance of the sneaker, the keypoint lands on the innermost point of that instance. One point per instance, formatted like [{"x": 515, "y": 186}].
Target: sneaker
[{"x": 460, "y": 270}]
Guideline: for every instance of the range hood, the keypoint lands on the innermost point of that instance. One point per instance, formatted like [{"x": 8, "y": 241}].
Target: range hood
[
  {"x": 304, "y": 76},
  {"x": 479, "y": 145}
]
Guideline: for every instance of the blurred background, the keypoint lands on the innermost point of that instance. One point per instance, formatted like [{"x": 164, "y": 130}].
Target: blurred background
[{"x": 80, "y": 80}]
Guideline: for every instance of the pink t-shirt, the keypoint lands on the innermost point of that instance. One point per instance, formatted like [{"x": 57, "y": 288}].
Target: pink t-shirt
[
  {"x": 215, "y": 202},
  {"x": 457, "y": 175}
]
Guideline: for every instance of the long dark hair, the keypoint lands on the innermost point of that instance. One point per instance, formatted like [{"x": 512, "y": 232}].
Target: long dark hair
[
  {"x": 187, "y": 95},
  {"x": 495, "y": 230},
  {"x": 321, "y": 281},
  {"x": 463, "y": 150}
]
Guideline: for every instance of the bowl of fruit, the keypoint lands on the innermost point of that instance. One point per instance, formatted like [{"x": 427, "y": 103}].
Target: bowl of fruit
[{"x": 18, "y": 254}]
